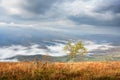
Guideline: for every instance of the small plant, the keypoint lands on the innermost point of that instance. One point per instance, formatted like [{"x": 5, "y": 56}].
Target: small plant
[{"x": 73, "y": 49}]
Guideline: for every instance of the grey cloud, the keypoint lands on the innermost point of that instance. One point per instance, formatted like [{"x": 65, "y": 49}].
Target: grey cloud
[
  {"x": 92, "y": 21},
  {"x": 109, "y": 5},
  {"x": 3, "y": 15},
  {"x": 37, "y": 10},
  {"x": 44, "y": 10},
  {"x": 38, "y": 6},
  {"x": 2, "y": 11}
]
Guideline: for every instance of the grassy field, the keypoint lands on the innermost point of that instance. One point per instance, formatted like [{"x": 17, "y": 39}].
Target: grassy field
[{"x": 60, "y": 71}]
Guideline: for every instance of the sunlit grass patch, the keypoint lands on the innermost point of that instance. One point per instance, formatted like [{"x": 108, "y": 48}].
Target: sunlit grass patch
[{"x": 60, "y": 71}]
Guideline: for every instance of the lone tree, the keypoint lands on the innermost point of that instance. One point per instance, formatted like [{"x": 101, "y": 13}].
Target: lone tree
[{"x": 73, "y": 49}]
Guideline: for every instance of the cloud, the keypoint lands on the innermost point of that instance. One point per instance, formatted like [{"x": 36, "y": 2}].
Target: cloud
[
  {"x": 35, "y": 49},
  {"x": 9, "y": 60},
  {"x": 59, "y": 15},
  {"x": 38, "y": 6},
  {"x": 85, "y": 12},
  {"x": 20, "y": 50},
  {"x": 43, "y": 9},
  {"x": 52, "y": 50},
  {"x": 12, "y": 24},
  {"x": 108, "y": 5},
  {"x": 92, "y": 21},
  {"x": 11, "y": 7},
  {"x": 91, "y": 46}
]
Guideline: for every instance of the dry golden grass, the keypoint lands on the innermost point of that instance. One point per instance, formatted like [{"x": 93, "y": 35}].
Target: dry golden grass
[{"x": 60, "y": 71}]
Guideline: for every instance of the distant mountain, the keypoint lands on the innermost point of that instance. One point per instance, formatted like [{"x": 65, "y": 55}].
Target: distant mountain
[{"x": 65, "y": 58}]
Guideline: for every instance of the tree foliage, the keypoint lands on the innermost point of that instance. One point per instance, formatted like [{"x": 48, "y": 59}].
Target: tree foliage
[{"x": 73, "y": 49}]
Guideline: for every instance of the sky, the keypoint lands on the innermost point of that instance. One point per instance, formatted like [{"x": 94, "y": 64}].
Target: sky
[{"x": 65, "y": 16}]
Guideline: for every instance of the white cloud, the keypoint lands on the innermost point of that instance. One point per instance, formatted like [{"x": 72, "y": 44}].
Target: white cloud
[
  {"x": 14, "y": 50},
  {"x": 76, "y": 7},
  {"x": 52, "y": 50},
  {"x": 84, "y": 8},
  {"x": 7, "y": 52},
  {"x": 91, "y": 46},
  {"x": 11, "y": 60},
  {"x": 12, "y": 24},
  {"x": 11, "y": 6}
]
